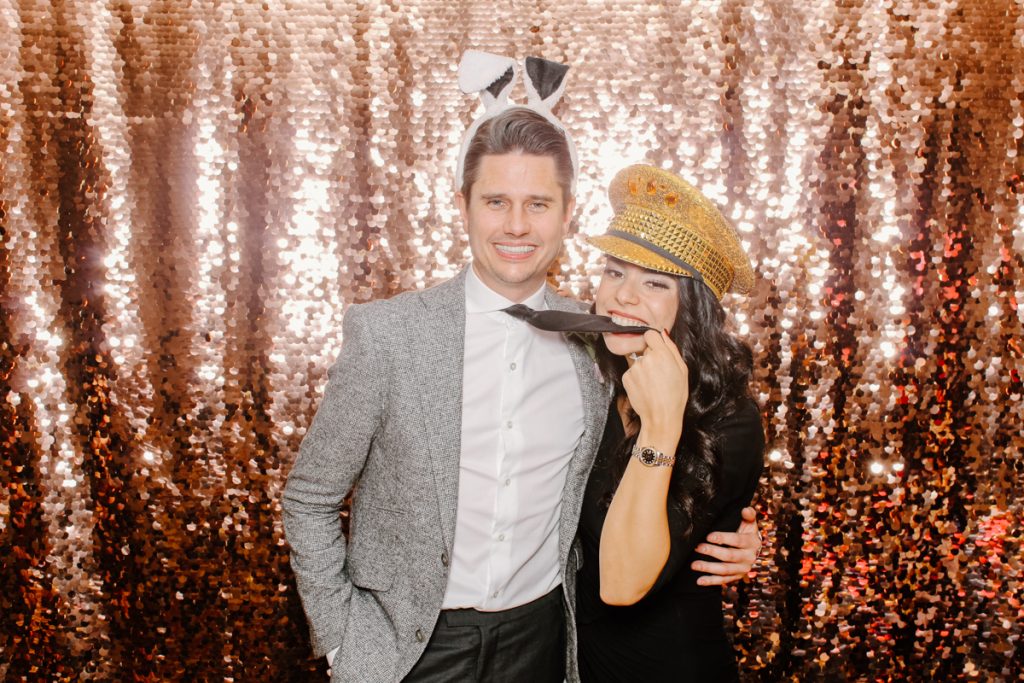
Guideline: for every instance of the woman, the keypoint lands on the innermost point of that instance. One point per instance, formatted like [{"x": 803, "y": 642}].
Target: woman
[{"x": 682, "y": 450}]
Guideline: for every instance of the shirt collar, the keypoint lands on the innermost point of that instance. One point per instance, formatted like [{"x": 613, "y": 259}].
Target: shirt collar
[{"x": 482, "y": 299}]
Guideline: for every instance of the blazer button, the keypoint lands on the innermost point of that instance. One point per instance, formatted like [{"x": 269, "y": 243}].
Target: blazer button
[
  {"x": 444, "y": 559},
  {"x": 419, "y": 635}
]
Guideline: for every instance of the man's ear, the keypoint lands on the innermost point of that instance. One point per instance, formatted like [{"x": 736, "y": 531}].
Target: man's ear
[
  {"x": 462, "y": 205},
  {"x": 570, "y": 209}
]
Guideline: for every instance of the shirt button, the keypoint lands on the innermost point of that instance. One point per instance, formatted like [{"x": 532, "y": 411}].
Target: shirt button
[
  {"x": 512, "y": 366},
  {"x": 509, "y": 424},
  {"x": 501, "y": 537},
  {"x": 444, "y": 559},
  {"x": 419, "y": 635},
  {"x": 508, "y": 482},
  {"x": 494, "y": 594}
]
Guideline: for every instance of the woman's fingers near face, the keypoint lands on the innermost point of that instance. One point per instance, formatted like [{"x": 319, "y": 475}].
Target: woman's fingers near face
[
  {"x": 654, "y": 344},
  {"x": 653, "y": 339},
  {"x": 671, "y": 348},
  {"x": 660, "y": 343}
]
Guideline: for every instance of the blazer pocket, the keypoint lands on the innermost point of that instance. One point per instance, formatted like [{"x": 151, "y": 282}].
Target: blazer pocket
[{"x": 373, "y": 548}]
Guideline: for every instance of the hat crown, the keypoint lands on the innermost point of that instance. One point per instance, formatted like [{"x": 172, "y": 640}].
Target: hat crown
[{"x": 663, "y": 223}]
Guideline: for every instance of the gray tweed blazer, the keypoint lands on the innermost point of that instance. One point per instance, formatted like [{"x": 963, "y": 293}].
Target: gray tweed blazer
[{"x": 390, "y": 425}]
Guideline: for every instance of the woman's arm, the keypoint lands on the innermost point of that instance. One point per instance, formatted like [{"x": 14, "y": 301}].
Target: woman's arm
[{"x": 635, "y": 540}]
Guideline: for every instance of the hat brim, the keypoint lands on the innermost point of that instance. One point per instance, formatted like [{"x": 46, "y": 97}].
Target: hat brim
[{"x": 634, "y": 253}]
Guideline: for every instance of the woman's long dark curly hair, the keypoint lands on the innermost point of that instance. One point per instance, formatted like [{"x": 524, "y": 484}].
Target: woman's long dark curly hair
[{"x": 720, "y": 367}]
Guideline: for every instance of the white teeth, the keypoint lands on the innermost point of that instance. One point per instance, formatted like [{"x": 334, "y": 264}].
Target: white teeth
[
  {"x": 627, "y": 322},
  {"x": 517, "y": 249}
]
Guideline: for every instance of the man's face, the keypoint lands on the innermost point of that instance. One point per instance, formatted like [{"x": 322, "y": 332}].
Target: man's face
[{"x": 516, "y": 220}]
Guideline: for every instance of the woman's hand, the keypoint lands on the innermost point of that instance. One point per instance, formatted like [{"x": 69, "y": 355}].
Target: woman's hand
[{"x": 658, "y": 384}]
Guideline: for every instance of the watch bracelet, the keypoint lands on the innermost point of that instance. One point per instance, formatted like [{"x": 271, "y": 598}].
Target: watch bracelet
[{"x": 659, "y": 458}]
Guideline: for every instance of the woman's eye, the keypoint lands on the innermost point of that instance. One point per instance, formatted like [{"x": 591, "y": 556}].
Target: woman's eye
[
  {"x": 612, "y": 272},
  {"x": 657, "y": 284}
]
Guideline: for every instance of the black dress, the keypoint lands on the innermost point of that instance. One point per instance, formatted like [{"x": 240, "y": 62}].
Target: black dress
[{"x": 675, "y": 633}]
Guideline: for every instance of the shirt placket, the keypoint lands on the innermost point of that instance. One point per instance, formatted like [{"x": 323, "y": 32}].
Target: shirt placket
[{"x": 509, "y": 457}]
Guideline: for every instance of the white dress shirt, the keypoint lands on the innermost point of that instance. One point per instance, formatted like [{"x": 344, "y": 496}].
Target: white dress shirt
[{"x": 522, "y": 418}]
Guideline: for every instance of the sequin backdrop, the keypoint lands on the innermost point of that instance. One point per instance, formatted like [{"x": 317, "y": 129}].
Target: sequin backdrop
[{"x": 191, "y": 194}]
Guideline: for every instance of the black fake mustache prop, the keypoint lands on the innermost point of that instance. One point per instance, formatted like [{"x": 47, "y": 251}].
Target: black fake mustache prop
[{"x": 563, "y": 321}]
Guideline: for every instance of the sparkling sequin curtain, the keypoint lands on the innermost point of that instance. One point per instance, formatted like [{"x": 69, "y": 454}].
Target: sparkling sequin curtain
[{"x": 191, "y": 194}]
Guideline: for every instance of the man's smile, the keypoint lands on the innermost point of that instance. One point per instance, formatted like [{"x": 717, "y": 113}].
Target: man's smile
[{"x": 515, "y": 250}]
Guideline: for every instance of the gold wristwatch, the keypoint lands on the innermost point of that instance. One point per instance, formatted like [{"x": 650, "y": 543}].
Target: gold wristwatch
[{"x": 652, "y": 458}]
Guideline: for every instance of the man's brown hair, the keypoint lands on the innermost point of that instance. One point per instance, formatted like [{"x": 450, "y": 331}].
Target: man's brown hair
[{"x": 518, "y": 130}]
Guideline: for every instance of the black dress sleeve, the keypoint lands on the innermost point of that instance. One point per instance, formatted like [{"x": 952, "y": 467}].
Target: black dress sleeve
[{"x": 740, "y": 439}]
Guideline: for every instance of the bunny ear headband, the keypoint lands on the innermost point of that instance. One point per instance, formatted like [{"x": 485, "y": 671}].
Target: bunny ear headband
[{"x": 492, "y": 76}]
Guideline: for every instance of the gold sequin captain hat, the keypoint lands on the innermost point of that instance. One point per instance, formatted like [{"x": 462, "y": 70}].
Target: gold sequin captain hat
[{"x": 663, "y": 223}]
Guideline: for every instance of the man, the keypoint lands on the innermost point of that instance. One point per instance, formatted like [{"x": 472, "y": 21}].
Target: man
[{"x": 468, "y": 436}]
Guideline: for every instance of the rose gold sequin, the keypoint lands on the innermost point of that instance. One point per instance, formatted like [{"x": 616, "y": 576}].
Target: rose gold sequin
[{"x": 192, "y": 193}]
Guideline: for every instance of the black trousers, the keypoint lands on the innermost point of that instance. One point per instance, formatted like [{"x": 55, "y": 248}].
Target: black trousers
[{"x": 525, "y": 643}]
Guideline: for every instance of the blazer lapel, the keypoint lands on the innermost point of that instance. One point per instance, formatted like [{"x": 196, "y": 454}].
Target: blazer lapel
[
  {"x": 440, "y": 343},
  {"x": 596, "y": 396}
]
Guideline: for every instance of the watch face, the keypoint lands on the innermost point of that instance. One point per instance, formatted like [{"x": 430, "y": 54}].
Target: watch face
[{"x": 648, "y": 456}]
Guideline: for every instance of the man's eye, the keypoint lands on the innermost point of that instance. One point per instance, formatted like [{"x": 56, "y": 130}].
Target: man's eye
[{"x": 538, "y": 206}]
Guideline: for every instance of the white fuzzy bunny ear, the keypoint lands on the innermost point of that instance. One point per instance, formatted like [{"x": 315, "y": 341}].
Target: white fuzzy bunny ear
[
  {"x": 545, "y": 81},
  {"x": 490, "y": 75}
]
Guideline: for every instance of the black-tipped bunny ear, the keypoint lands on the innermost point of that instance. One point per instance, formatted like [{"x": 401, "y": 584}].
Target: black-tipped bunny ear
[
  {"x": 545, "y": 77},
  {"x": 496, "y": 88}
]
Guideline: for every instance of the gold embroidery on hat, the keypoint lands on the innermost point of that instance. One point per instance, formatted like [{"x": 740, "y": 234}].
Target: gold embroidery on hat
[{"x": 681, "y": 243}]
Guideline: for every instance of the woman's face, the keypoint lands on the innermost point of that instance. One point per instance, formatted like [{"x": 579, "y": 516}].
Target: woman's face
[{"x": 632, "y": 295}]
